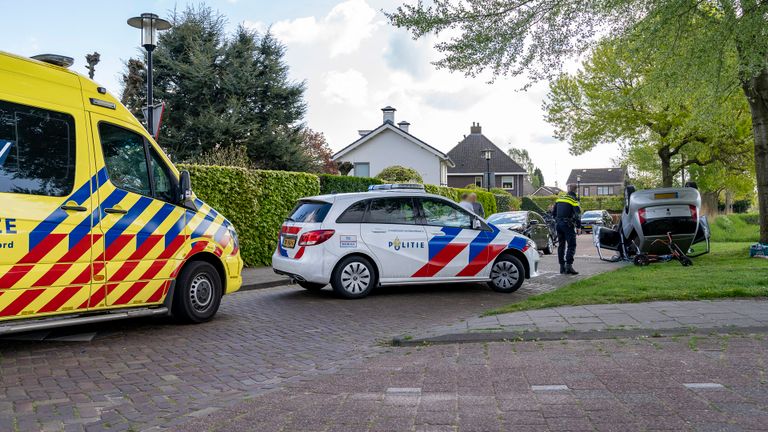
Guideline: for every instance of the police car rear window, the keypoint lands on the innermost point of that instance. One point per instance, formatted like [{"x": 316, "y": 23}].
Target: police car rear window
[
  {"x": 37, "y": 150},
  {"x": 310, "y": 211}
]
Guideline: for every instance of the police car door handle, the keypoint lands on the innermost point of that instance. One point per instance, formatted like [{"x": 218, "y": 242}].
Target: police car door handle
[
  {"x": 77, "y": 208},
  {"x": 114, "y": 210},
  {"x": 378, "y": 231},
  {"x": 438, "y": 233}
]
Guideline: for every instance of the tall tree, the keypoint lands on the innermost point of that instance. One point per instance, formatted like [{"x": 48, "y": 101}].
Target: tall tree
[
  {"x": 523, "y": 158},
  {"x": 537, "y": 36},
  {"x": 612, "y": 100},
  {"x": 224, "y": 90},
  {"x": 318, "y": 153},
  {"x": 537, "y": 180}
]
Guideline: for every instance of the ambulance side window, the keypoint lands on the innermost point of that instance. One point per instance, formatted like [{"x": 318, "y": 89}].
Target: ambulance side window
[
  {"x": 164, "y": 187},
  {"x": 125, "y": 158},
  {"x": 37, "y": 150}
]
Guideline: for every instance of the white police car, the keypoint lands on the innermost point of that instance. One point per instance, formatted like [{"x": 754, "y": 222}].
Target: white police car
[{"x": 395, "y": 235}]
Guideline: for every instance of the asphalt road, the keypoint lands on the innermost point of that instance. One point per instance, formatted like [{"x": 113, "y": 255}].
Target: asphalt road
[{"x": 142, "y": 374}]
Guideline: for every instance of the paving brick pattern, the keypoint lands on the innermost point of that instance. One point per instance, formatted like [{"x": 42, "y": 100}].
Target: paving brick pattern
[
  {"x": 661, "y": 315},
  {"x": 138, "y": 374},
  {"x": 612, "y": 385}
]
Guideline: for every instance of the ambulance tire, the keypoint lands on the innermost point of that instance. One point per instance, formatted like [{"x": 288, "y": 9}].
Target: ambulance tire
[
  {"x": 197, "y": 294},
  {"x": 507, "y": 274},
  {"x": 354, "y": 277}
]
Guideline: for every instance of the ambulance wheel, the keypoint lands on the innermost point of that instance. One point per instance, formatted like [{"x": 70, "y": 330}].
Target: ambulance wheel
[
  {"x": 197, "y": 295},
  {"x": 507, "y": 274},
  {"x": 310, "y": 286},
  {"x": 354, "y": 277}
]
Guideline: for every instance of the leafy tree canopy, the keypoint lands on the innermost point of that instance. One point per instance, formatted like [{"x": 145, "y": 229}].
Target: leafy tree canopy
[{"x": 223, "y": 90}]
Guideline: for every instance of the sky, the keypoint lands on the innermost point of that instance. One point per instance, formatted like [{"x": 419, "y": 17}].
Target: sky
[{"x": 353, "y": 62}]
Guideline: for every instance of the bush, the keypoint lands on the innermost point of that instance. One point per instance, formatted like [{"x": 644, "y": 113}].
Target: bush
[
  {"x": 487, "y": 199},
  {"x": 399, "y": 174},
  {"x": 255, "y": 201},
  {"x": 614, "y": 204},
  {"x": 340, "y": 184},
  {"x": 530, "y": 205},
  {"x": 506, "y": 202}
]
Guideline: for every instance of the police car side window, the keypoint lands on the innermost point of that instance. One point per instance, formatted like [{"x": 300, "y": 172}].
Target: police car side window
[
  {"x": 353, "y": 214},
  {"x": 37, "y": 151},
  {"x": 441, "y": 213},
  {"x": 125, "y": 158},
  {"x": 391, "y": 211}
]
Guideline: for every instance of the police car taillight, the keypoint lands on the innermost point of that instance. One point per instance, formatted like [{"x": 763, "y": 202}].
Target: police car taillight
[{"x": 311, "y": 238}]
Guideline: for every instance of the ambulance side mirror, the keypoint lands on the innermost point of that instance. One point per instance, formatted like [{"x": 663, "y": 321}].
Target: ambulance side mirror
[{"x": 185, "y": 189}]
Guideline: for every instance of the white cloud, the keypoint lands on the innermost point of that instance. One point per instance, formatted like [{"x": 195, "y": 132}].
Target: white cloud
[
  {"x": 348, "y": 87},
  {"x": 342, "y": 31},
  {"x": 257, "y": 26}
]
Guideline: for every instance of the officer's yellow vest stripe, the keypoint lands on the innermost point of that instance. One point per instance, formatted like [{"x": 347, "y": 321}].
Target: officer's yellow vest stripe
[{"x": 568, "y": 200}]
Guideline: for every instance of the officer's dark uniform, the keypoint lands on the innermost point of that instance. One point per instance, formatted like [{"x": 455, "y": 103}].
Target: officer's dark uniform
[{"x": 567, "y": 213}]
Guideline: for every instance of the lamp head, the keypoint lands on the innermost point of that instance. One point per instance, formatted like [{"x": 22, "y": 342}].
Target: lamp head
[{"x": 149, "y": 24}]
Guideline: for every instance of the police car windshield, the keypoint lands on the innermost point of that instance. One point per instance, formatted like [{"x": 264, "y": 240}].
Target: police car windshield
[
  {"x": 309, "y": 212},
  {"x": 507, "y": 218}
]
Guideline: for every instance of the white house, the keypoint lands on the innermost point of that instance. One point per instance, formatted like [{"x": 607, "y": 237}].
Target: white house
[{"x": 389, "y": 145}]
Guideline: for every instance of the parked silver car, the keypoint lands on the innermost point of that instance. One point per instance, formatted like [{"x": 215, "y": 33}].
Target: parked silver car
[
  {"x": 591, "y": 219},
  {"x": 651, "y": 217},
  {"x": 529, "y": 224}
]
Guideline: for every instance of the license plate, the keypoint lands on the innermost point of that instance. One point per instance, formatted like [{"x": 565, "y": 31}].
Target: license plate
[
  {"x": 668, "y": 195},
  {"x": 587, "y": 226},
  {"x": 289, "y": 242}
]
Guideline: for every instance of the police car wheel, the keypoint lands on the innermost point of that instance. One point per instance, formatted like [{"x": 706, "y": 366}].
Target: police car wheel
[
  {"x": 198, "y": 291},
  {"x": 354, "y": 277},
  {"x": 507, "y": 274},
  {"x": 310, "y": 286}
]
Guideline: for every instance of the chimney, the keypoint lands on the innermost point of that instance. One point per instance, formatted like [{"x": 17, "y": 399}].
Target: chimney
[
  {"x": 389, "y": 114},
  {"x": 475, "y": 129},
  {"x": 403, "y": 125}
]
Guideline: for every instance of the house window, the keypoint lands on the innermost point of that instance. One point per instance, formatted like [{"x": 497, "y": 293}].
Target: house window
[
  {"x": 362, "y": 169},
  {"x": 586, "y": 191},
  {"x": 605, "y": 190},
  {"x": 507, "y": 182},
  {"x": 479, "y": 181}
]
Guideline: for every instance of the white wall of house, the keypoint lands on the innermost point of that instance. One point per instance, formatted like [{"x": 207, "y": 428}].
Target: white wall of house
[{"x": 388, "y": 148}]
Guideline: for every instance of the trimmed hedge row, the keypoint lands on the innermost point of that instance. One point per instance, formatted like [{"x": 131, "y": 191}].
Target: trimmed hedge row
[
  {"x": 330, "y": 183},
  {"x": 487, "y": 199},
  {"x": 255, "y": 201},
  {"x": 506, "y": 202}
]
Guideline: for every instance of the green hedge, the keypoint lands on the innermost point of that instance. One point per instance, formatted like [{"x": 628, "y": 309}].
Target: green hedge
[
  {"x": 485, "y": 198},
  {"x": 339, "y": 184},
  {"x": 255, "y": 201},
  {"x": 614, "y": 204},
  {"x": 506, "y": 202},
  {"x": 530, "y": 205}
]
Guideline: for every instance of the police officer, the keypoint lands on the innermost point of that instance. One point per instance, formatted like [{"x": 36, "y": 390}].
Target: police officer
[{"x": 567, "y": 213}]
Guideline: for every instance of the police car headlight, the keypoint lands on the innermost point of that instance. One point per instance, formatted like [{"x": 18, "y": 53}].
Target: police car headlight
[
  {"x": 530, "y": 244},
  {"x": 233, "y": 234}
]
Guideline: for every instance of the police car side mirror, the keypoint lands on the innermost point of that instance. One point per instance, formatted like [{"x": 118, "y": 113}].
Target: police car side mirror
[
  {"x": 185, "y": 189},
  {"x": 476, "y": 224}
]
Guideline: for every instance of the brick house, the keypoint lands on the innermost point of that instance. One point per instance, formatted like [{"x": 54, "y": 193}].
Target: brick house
[
  {"x": 470, "y": 168},
  {"x": 598, "y": 181}
]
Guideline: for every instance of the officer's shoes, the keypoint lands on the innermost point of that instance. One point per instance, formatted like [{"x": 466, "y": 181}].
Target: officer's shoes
[
  {"x": 570, "y": 270},
  {"x": 562, "y": 268}
]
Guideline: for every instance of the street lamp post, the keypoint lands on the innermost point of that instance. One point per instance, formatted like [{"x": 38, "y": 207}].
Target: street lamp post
[
  {"x": 487, "y": 154},
  {"x": 578, "y": 187},
  {"x": 149, "y": 24}
]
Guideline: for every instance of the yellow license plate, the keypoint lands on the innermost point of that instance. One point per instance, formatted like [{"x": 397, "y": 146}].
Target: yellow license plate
[
  {"x": 289, "y": 242},
  {"x": 668, "y": 195}
]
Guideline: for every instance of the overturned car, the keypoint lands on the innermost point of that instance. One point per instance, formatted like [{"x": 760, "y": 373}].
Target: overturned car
[{"x": 657, "y": 225}]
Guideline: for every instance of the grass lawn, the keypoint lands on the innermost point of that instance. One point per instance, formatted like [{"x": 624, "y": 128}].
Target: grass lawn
[
  {"x": 735, "y": 228},
  {"x": 725, "y": 272}
]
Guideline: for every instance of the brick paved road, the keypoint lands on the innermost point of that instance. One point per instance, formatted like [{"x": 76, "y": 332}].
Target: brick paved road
[
  {"x": 714, "y": 383},
  {"x": 138, "y": 374}
]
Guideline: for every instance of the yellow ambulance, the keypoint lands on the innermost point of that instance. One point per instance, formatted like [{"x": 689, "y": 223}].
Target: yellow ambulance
[{"x": 96, "y": 223}]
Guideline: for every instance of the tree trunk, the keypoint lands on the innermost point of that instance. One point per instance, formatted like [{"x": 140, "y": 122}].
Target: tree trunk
[
  {"x": 756, "y": 90},
  {"x": 666, "y": 171},
  {"x": 728, "y": 202},
  {"x": 709, "y": 203}
]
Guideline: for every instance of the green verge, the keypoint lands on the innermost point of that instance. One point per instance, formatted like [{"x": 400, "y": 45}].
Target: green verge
[{"x": 727, "y": 272}]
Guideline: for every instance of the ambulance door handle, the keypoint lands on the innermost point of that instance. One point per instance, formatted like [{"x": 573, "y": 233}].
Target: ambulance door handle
[
  {"x": 114, "y": 210},
  {"x": 76, "y": 208},
  {"x": 378, "y": 231}
]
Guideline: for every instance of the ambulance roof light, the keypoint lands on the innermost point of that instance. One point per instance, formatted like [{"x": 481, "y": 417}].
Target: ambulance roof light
[{"x": 55, "y": 59}]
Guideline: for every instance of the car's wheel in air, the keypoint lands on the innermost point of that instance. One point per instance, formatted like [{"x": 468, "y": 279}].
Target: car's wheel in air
[
  {"x": 550, "y": 246},
  {"x": 197, "y": 294},
  {"x": 311, "y": 286},
  {"x": 354, "y": 277},
  {"x": 507, "y": 274}
]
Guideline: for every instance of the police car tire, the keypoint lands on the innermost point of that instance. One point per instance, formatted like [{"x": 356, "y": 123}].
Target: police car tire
[
  {"x": 187, "y": 307},
  {"x": 338, "y": 275},
  {"x": 520, "y": 269},
  {"x": 311, "y": 286}
]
